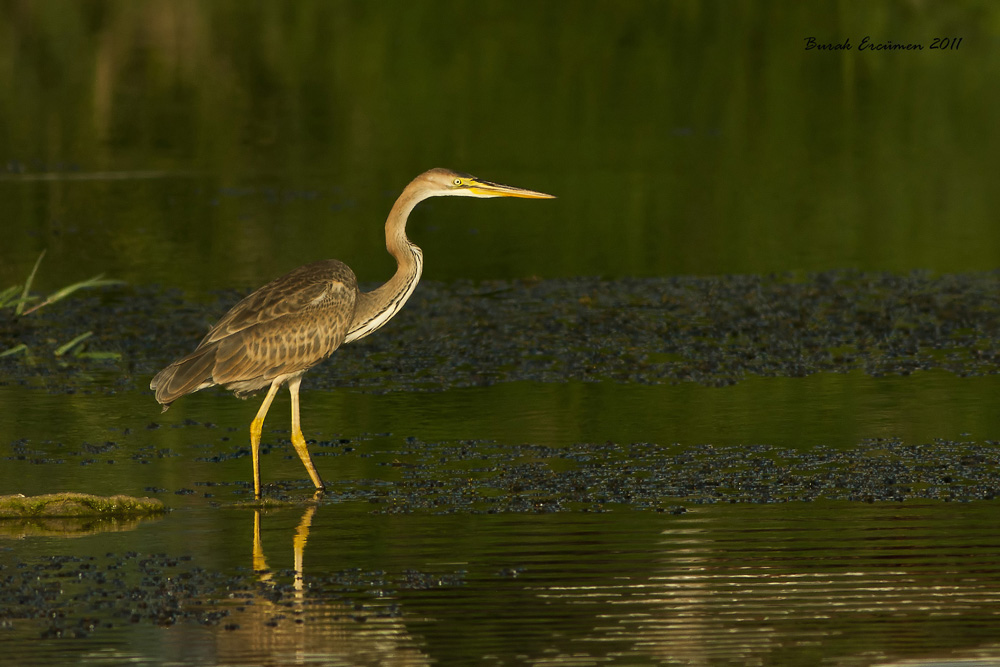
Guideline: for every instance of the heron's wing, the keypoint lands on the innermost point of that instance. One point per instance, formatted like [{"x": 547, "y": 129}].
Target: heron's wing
[
  {"x": 305, "y": 288},
  {"x": 284, "y": 327},
  {"x": 290, "y": 343}
]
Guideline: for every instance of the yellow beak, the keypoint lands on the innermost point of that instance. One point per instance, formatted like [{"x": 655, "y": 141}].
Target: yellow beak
[{"x": 483, "y": 188}]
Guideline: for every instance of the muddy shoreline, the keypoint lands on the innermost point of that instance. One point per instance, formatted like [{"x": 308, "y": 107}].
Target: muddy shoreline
[{"x": 713, "y": 331}]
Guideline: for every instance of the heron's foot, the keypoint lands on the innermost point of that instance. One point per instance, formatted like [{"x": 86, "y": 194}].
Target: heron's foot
[{"x": 319, "y": 493}]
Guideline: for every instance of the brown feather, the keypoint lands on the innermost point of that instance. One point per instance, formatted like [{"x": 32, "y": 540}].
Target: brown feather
[
  {"x": 184, "y": 376},
  {"x": 285, "y": 327}
]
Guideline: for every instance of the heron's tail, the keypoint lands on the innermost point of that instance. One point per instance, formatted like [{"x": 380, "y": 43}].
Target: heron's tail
[{"x": 184, "y": 376}]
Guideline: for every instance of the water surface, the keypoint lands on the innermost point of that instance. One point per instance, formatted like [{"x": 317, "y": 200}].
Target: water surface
[{"x": 748, "y": 584}]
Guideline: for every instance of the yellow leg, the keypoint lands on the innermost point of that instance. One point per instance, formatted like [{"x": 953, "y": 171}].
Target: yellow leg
[
  {"x": 298, "y": 441},
  {"x": 256, "y": 427}
]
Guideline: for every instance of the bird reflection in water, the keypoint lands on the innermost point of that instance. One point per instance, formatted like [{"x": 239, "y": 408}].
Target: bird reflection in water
[{"x": 278, "y": 626}]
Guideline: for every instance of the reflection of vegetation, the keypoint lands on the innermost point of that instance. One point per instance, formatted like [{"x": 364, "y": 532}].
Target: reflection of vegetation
[
  {"x": 77, "y": 505},
  {"x": 77, "y": 526},
  {"x": 17, "y": 297},
  {"x": 695, "y": 137}
]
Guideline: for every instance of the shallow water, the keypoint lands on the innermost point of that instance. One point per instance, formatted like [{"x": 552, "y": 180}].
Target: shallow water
[
  {"x": 748, "y": 584},
  {"x": 451, "y": 536}
]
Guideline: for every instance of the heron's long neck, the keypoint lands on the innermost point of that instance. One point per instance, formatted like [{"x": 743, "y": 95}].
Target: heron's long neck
[{"x": 375, "y": 308}]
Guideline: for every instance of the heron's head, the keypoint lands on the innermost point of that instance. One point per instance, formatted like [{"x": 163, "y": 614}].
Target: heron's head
[{"x": 444, "y": 183}]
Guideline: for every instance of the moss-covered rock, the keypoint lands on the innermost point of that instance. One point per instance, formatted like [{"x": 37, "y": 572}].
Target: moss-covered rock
[{"x": 77, "y": 505}]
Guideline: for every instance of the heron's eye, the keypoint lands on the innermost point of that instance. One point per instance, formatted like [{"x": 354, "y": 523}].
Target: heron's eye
[{"x": 458, "y": 181}]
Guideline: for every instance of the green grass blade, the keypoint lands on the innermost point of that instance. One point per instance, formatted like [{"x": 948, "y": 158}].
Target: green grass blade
[
  {"x": 14, "y": 350},
  {"x": 60, "y": 351},
  {"x": 19, "y": 309},
  {"x": 96, "y": 281},
  {"x": 8, "y": 296},
  {"x": 98, "y": 354}
]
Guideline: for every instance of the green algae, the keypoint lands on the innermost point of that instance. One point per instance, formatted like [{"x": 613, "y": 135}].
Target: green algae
[{"x": 62, "y": 505}]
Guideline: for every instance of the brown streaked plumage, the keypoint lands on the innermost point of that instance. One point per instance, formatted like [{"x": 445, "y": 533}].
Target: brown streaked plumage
[{"x": 294, "y": 322}]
